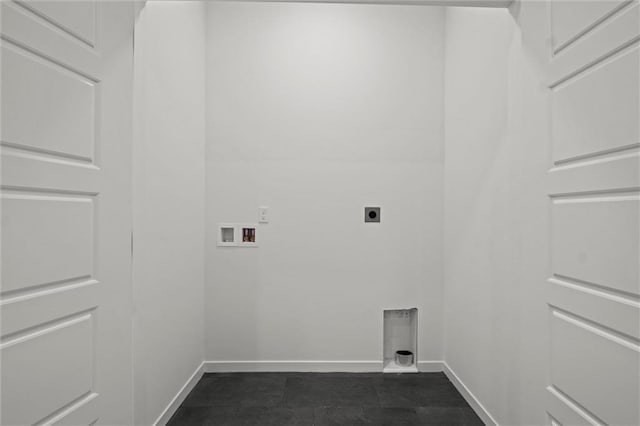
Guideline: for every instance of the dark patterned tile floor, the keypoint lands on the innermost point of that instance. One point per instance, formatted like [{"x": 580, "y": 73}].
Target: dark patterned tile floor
[{"x": 306, "y": 399}]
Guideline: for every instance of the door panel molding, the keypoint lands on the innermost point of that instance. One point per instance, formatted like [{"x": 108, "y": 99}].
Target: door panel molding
[
  {"x": 77, "y": 21},
  {"x": 593, "y": 292},
  {"x": 65, "y": 185}
]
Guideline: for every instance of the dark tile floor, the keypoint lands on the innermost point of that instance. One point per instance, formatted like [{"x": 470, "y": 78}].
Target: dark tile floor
[{"x": 301, "y": 399}]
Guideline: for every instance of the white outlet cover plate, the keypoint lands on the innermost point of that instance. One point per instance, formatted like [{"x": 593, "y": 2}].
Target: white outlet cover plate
[
  {"x": 233, "y": 243},
  {"x": 263, "y": 214}
]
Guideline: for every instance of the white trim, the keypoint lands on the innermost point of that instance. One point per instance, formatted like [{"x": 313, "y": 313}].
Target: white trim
[
  {"x": 392, "y": 367},
  {"x": 298, "y": 366},
  {"x": 310, "y": 366},
  {"x": 477, "y": 406},
  {"x": 177, "y": 400}
]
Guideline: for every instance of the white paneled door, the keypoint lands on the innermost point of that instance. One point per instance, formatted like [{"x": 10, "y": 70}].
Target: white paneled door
[
  {"x": 594, "y": 184},
  {"x": 66, "y": 212}
]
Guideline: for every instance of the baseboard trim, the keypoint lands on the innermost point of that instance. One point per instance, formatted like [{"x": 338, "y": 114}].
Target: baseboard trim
[
  {"x": 297, "y": 366},
  {"x": 471, "y": 399},
  {"x": 173, "y": 406},
  {"x": 309, "y": 366}
]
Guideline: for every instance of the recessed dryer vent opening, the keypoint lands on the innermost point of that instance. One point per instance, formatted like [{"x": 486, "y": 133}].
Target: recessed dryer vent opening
[{"x": 400, "y": 340}]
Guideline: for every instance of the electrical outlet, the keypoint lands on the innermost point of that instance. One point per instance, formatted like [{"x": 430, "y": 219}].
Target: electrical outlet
[{"x": 372, "y": 214}]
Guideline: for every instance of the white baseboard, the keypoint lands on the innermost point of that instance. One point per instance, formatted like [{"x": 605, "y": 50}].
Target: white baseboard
[
  {"x": 309, "y": 366},
  {"x": 180, "y": 396},
  {"x": 477, "y": 406},
  {"x": 298, "y": 366}
]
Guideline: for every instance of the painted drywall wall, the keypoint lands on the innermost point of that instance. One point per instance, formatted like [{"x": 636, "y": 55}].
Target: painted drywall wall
[
  {"x": 316, "y": 111},
  {"x": 168, "y": 202},
  {"x": 496, "y": 212}
]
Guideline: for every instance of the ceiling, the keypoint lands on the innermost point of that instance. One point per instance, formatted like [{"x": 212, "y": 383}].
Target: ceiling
[{"x": 462, "y": 3}]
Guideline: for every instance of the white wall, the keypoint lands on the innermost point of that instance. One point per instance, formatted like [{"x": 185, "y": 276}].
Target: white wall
[
  {"x": 496, "y": 211},
  {"x": 168, "y": 202},
  {"x": 317, "y": 110}
]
